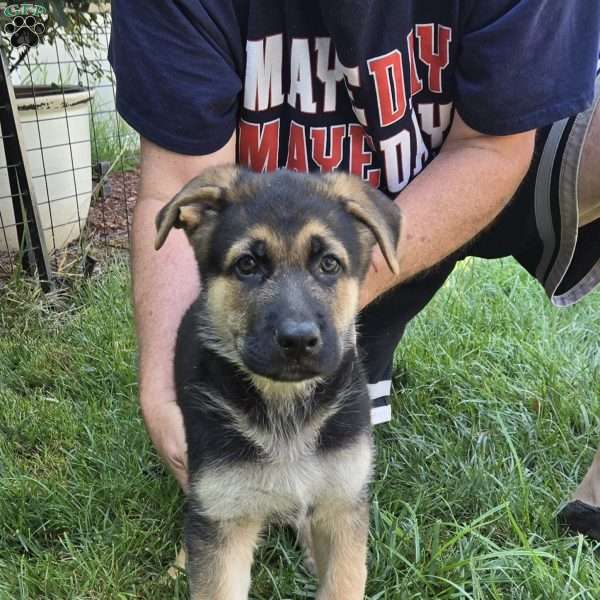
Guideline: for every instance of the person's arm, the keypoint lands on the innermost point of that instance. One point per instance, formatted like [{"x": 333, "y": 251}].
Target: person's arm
[
  {"x": 460, "y": 193},
  {"x": 165, "y": 283}
]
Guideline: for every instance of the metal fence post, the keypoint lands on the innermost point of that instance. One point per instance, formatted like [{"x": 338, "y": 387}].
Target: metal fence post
[{"x": 34, "y": 255}]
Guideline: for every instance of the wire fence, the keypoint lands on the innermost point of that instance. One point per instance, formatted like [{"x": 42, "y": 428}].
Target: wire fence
[{"x": 80, "y": 156}]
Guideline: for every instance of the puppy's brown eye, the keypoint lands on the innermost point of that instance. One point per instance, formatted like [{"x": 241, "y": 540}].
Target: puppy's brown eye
[
  {"x": 246, "y": 266},
  {"x": 330, "y": 264}
]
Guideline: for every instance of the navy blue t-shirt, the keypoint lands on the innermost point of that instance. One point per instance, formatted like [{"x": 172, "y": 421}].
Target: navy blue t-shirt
[{"x": 366, "y": 86}]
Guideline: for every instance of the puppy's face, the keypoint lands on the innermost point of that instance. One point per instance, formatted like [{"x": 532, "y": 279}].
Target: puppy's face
[{"x": 281, "y": 258}]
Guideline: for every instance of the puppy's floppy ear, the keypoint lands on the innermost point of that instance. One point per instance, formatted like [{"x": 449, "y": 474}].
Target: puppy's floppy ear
[
  {"x": 186, "y": 210},
  {"x": 202, "y": 197},
  {"x": 372, "y": 208}
]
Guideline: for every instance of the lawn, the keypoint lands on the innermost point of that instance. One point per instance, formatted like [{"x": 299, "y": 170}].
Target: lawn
[{"x": 497, "y": 404}]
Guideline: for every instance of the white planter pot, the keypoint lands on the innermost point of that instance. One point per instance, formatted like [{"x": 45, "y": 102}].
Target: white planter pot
[{"x": 56, "y": 134}]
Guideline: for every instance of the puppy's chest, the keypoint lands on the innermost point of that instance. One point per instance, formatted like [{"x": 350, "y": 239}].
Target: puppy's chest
[{"x": 285, "y": 484}]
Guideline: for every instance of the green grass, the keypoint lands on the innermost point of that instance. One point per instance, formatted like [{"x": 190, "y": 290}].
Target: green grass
[
  {"x": 496, "y": 420},
  {"x": 113, "y": 141}
]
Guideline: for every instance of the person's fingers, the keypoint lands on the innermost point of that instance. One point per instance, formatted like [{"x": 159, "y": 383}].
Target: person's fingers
[
  {"x": 174, "y": 452},
  {"x": 377, "y": 281},
  {"x": 181, "y": 475},
  {"x": 175, "y": 458},
  {"x": 164, "y": 423}
]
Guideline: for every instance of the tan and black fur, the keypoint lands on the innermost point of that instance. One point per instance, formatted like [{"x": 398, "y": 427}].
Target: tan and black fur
[{"x": 274, "y": 399}]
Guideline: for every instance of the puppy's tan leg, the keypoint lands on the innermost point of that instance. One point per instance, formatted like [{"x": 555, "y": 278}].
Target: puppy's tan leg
[
  {"x": 220, "y": 558},
  {"x": 340, "y": 549}
]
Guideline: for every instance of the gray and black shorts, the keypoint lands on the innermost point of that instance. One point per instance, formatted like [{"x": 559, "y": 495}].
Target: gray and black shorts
[{"x": 539, "y": 228}]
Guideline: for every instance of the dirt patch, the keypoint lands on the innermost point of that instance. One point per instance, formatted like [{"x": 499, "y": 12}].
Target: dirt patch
[
  {"x": 107, "y": 231},
  {"x": 109, "y": 219}
]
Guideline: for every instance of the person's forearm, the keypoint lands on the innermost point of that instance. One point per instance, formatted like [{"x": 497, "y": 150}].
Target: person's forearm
[
  {"x": 455, "y": 198},
  {"x": 165, "y": 284}
]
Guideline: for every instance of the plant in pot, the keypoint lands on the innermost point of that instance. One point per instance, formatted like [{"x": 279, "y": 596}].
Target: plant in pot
[{"x": 54, "y": 115}]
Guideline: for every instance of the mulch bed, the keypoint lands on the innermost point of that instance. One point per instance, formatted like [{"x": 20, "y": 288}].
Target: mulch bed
[
  {"x": 109, "y": 219},
  {"x": 107, "y": 230}
]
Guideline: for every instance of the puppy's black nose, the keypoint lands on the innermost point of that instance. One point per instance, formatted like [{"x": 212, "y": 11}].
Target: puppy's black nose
[{"x": 299, "y": 338}]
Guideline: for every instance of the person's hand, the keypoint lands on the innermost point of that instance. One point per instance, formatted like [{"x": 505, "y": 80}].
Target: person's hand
[
  {"x": 164, "y": 423},
  {"x": 379, "y": 279}
]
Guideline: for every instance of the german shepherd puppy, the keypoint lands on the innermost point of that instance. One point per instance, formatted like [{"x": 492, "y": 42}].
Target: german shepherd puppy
[{"x": 274, "y": 401}]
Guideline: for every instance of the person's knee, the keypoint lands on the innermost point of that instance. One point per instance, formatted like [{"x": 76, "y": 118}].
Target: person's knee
[{"x": 589, "y": 174}]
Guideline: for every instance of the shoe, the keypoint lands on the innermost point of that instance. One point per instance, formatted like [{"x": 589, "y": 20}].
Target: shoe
[{"x": 580, "y": 517}]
